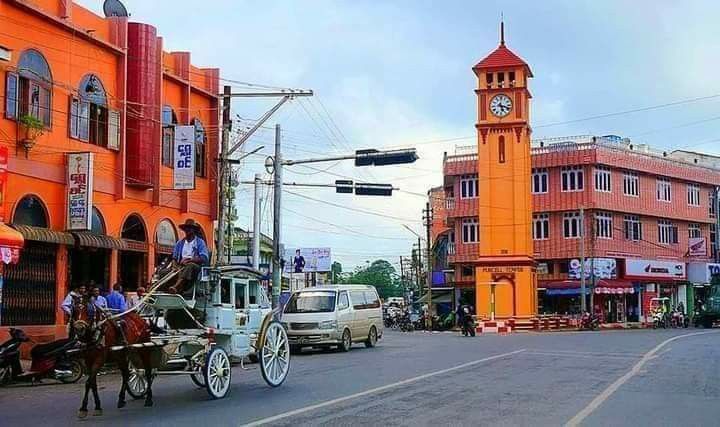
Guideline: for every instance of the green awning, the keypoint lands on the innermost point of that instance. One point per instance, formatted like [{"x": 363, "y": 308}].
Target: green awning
[{"x": 438, "y": 297}]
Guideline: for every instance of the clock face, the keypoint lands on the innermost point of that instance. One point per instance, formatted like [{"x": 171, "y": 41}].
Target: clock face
[{"x": 500, "y": 105}]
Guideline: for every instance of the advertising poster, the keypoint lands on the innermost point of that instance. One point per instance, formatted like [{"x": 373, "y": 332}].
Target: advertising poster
[
  {"x": 184, "y": 155},
  {"x": 307, "y": 260},
  {"x": 79, "y": 190},
  {"x": 697, "y": 247},
  {"x": 605, "y": 268},
  {"x": 654, "y": 269}
]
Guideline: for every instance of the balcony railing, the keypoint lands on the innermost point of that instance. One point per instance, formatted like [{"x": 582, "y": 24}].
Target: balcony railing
[
  {"x": 451, "y": 248},
  {"x": 449, "y": 204}
]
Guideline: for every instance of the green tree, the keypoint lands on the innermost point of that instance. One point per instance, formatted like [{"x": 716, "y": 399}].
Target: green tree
[{"x": 380, "y": 274}]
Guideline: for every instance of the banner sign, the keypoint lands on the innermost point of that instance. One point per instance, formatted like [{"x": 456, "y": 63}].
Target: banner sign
[
  {"x": 184, "y": 155},
  {"x": 702, "y": 272},
  {"x": 604, "y": 268},
  {"x": 79, "y": 191},
  {"x": 697, "y": 247},
  {"x": 654, "y": 269},
  {"x": 307, "y": 260}
]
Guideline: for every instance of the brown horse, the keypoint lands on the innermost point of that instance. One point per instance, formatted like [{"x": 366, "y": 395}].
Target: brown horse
[{"x": 100, "y": 333}]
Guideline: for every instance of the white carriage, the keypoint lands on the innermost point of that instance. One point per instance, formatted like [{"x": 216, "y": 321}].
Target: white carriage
[{"x": 225, "y": 318}]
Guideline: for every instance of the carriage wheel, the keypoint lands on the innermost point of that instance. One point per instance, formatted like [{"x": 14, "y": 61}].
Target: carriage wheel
[
  {"x": 137, "y": 384},
  {"x": 198, "y": 379},
  {"x": 275, "y": 355},
  {"x": 217, "y": 373}
]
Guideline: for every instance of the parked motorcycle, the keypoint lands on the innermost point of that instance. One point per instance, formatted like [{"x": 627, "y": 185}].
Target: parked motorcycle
[
  {"x": 55, "y": 360},
  {"x": 660, "y": 320},
  {"x": 589, "y": 322},
  {"x": 468, "y": 324},
  {"x": 679, "y": 320},
  {"x": 10, "y": 356}
]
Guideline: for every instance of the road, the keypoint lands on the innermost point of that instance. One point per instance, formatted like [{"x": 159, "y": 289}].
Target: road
[{"x": 591, "y": 378}]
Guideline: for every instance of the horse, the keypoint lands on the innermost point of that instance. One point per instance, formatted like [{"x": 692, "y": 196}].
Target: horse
[{"x": 100, "y": 332}]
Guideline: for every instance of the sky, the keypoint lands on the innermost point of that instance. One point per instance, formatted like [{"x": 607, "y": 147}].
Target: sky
[{"x": 394, "y": 74}]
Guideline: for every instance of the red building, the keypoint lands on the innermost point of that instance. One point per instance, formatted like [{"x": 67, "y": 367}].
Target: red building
[{"x": 644, "y": 215}]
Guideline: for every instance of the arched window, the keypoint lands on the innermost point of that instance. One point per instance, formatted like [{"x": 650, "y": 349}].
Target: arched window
[
  {"x": 30, "y": 211},
  {"x": 501, "y": 149},
  {"x": 28, "y": 92},
  {"x": 98, "y": 225},
  {"x": 169, "y": 120},
  {"x": 91, "y": 119},
  {"x": 199, "y": 148},
  {"x": 134, "y": 229}
]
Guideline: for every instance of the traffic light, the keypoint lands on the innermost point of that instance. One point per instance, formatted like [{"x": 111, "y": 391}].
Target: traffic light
[
  {"x": 343, "y": 186},
  {"x": 373, "y": 157},
  {"x": 362, "y": 189}
]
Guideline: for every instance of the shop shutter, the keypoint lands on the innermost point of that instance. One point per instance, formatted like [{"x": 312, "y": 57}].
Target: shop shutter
[
  {"x": 113, "y": 130},
  {"x": 11, "y": 95}
]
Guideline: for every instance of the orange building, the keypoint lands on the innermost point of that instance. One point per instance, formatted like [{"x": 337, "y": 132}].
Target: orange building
[
  {"x": 90, "y": 106},
  {"x": 505, "y": 269}
]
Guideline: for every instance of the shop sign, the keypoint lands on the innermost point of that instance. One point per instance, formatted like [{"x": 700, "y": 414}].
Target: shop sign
[
  {"x": 702, "y": 272},
  {"x": 604, "y": 268},
  {"x": 3, "y": 180},
  {"x": 184, "y": 155},
  {"x": 654, "y": 269},
  {"x": 542, "y": 268},
  {"x": 503, "y": 269},
  {"x": 697, "y": 247},
  {"x": 79, "y": 191}
]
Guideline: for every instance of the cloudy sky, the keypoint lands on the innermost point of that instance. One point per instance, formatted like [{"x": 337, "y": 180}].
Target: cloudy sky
[{"x": 398, "y": 74}]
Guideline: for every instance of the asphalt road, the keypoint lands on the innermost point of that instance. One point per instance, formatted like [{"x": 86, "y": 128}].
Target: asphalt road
[{"x": 591, "y": 378}]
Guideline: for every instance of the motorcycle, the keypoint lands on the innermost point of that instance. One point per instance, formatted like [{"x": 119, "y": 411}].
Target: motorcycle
[
  {"x": 659, "y": 320},
  {"x": 468, "y": 325},
  {"x": 404, "y": 323},
  {"x": 55, "y": 360},
  {"x": 10, "y": 356},
  {"x": 679, "y": 320},
  {"x": 589, "y": 322}
]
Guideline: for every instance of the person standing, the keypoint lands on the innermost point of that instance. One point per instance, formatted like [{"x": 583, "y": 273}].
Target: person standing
[
  {"x": 77, "y": 291},
  {"x": 115, "y": 299},
  {"x": 98, "y": 299}
]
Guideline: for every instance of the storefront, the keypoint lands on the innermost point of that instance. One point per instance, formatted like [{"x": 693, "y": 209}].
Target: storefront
[
  {"x": 700, "y": 277},
  {"x": 133, "y": 257},
  {"x": 657, "y": 279},
  {"x": 613, "y": 300},
  {"x": 90, "y": 258}
]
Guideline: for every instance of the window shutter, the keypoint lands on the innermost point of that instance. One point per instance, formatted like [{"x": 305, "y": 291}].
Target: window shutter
[
  {"x": 11, "y": 95},
  {"x": 73, "y": 117},
  {"x": 83, "y": 121},
  {"x": 113, "y": 130}
]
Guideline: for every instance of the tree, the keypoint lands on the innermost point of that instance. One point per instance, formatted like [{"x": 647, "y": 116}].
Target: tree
[{"x": 380, "y": 274}]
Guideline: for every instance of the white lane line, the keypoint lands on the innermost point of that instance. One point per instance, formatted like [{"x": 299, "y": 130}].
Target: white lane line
[
  {"x": 582, "y": 355},
  {"x": 377, "y": 389},
  {"x": 612, "y": 388}
]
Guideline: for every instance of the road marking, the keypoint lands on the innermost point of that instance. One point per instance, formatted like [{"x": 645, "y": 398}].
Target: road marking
[
  {"x": 377, "y": 389},
  {"x": 583, "y": 355},
  {"x": 612, "y": 388}
]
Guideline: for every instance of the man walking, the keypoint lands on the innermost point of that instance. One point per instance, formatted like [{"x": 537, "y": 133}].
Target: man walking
[{"x": 190, "y": 253}]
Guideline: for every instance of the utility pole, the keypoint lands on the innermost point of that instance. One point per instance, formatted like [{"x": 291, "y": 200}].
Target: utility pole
[
  {"x": 427, "y": 217},
  {"x": 593, "y": 280},
  {"x": 257, "y": 234},
  {"x": 277, "y": 198},
  {"x": 583, "y": 296},
  {"x": 223, "y": 171}
]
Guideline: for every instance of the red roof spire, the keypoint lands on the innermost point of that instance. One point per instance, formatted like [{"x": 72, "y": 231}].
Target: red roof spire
[{"x": 502, "y": 57}]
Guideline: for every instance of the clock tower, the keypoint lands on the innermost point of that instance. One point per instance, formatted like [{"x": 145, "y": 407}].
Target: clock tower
[{"x": 505, "y": 269}]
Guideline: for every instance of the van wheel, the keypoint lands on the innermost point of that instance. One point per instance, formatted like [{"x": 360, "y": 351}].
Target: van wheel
[
  {"x": 372, "y": 338},
  {"x": 346, "y": 342}
]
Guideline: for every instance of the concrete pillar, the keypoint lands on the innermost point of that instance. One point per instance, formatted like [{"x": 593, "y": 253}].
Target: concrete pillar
[
  {"x": 61, "y": 282},
  {"x": 114, "y": 267}
]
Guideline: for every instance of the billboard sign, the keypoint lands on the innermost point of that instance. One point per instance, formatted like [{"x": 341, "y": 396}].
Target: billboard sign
[
  {"x": 604, "y": 268},
  {"x": 697, "y": 247},
  {"x": 184, "y": 158},
  {"x": 643, "y": 268},
  {"x": 307, "y": 260},
  {"x": 79, "y": 191}
]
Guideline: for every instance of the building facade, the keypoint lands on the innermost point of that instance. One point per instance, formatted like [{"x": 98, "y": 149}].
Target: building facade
[
  {"x": 643, "y": 217},
  {"x": 90, "y": 110}
]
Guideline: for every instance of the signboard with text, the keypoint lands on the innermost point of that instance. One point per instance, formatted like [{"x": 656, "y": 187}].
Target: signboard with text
[
  {"x": 184, "y": 157},
  {"x": 79, "y": 191},
  {"x": 603, "y": 268},
  {"x": 654, "y": 269},
  {"x": 697, "y": 247},
  {"x": 307, "y": 260}
]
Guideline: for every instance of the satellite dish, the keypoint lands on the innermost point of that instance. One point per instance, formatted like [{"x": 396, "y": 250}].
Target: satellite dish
[{"x": 114, "y": 8}]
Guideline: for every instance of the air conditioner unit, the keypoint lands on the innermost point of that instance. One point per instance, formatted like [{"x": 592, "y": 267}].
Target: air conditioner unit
[{"x": 5, "y": 54}]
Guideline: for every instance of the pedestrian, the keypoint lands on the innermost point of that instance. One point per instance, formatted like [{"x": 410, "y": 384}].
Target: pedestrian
[
  {"x": 116, "y": 300},
  {"x": 77, "y": 291},
  {"x": 135, "y": 299},
  {"x": 98, "y": 299},
  {"x": 459, "y": 312}
]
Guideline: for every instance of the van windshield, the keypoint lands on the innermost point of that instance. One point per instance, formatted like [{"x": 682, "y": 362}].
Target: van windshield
[{"x": 311, "y": 302}]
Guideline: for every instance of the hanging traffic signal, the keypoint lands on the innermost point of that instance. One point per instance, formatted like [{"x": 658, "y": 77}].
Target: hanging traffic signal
[
  {"x": 344, "y": 186},
  {"x": 373, "y": 157},
  {"x": 363, "y": 189}
]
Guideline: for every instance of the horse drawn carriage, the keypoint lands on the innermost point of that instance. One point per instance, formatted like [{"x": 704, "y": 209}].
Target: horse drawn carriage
[{"x": 225, "y": 318}]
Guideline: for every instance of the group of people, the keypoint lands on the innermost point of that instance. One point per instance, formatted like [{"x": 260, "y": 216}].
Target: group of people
[{"x": 114, "y": 300}]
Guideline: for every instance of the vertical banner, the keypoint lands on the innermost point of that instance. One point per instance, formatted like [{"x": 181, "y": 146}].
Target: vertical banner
[
  {"x": 3, "y": 180},
  {"x": 79, "y": 191},
  {"x": 184, "y": 155}
]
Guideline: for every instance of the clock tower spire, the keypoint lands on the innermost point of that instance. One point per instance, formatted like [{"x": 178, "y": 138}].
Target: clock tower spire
[{"x": 505, "y": 270}]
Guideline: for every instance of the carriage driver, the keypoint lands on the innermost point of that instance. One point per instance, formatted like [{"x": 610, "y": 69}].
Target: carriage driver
[{"x": 190, "y": 254}]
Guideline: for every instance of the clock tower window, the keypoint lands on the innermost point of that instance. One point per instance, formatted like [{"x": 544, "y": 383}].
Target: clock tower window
[
  {"x": 489, "y": 79},
  {"x": 501, "y": 149},
  {"x": 501, "y": 79},
  {"x": 511, "y": 78}
]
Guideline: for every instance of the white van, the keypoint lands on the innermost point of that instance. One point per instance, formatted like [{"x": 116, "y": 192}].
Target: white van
[{"x": 334, "y": 315}]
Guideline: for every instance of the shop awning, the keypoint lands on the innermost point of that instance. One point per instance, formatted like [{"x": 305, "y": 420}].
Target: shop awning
[
  {"x": 438, "y": 297},
  {"x": 92, "y": 240},
  {"x": 38, "y": 234},
  {"x": 10, "y": 238},
  {"x": 134, "y": 245}
]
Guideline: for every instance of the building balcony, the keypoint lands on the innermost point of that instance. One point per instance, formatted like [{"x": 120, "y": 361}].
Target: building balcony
[
  {"x": 463, "y": 252},
  {"x": 461, "y": 208},
  {"x": 451, "y": 249}
]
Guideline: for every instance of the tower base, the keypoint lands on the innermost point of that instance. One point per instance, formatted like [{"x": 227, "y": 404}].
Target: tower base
[{"x": 505, "y": 287}]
